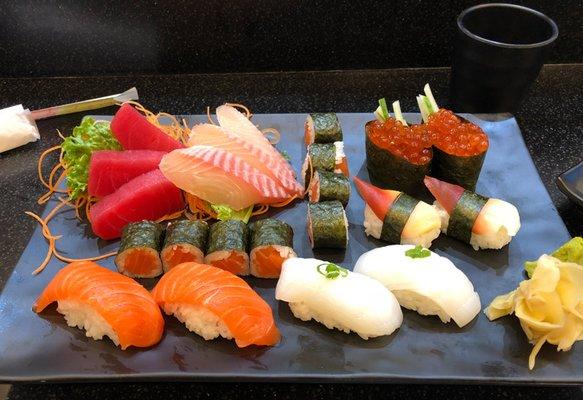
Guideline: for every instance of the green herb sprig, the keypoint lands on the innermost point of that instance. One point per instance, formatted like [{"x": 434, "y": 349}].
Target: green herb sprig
[
  {"x": 331, "y": 270},
  {"x": 418, "y": 252}
]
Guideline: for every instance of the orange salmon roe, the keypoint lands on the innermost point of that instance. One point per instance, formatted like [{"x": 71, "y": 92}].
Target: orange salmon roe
[
  {"x": 410, "y": 142},
  {"x": 454, "y": 136}
]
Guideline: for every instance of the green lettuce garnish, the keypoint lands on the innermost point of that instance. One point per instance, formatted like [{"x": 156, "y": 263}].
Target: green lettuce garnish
[
  {"x": 418, "y": 252},
  {"x": 225, "y": 213},
  {"x": 572, "y": 251},
  {"x": 86, "y": 138}
]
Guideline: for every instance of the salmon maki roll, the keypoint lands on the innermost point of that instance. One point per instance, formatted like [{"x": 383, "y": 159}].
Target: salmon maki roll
[
  {"x": 324, "y": 157},
  {"x": 139, "y": 251},
  {"x": 212, "y": 302},
  {"x": 185, "y": 241},
  {"x": 104, "y": 303},
  {"x": 322, "y": 128},
  {"x": 227, "y": 246},
  {"x": 328, "y": 186},
  {"x": 327, "y": 225},
  {"x": 271, "y": 244}
]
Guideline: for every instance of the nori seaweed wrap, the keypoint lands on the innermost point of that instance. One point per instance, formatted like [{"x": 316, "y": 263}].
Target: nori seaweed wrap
[
  {"x": 227, "y": 246},
  {"x": 324, "y": 157},
  {"x": 388, "y": 170},
  {"x": 185, "y": 241},
  {"x": 138, "y": 254},
  {"x": 327, "y": 225},
  {"x": 326, "y": 186},
  {"x": 464, "y": 215},
  {"x": 322, "y": 128},
  {"x": 271, "y": 245}
]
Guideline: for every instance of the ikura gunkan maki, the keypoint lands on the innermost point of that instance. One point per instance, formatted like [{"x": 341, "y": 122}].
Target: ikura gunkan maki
[
  {"x": 138, "y": 255},
  {"x": 327, "y": 225},
  {"x": 396, "y": 217},
  {"x": 326, "y": 186},
  {"x": 227, "y": 246},
  {"x": 271, "y": 244},
  {"x": 185, "y": 241},
  {"x": 322, "y": 128},
  {"x": 480, "y": 221},
  {"x": 459, "y": 146},
  {"x": 324, "y": 157}
]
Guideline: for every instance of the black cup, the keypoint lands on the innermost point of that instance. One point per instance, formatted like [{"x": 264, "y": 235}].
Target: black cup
[{"x": 499, "y": 51}]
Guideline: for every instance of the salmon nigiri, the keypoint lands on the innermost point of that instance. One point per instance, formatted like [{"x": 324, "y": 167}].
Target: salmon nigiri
[
  {"x": 220, "y": 177},
  {"x": 104, "y": 303},
  {"x": 212, "y": 302},
  {"x": 482, "y": 222},
  {"x": 396, "y": 217},
  {"x": 257, "y": 156}
]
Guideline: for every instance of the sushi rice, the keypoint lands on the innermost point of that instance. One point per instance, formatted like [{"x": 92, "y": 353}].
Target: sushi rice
[
  {"x": 430, "y": 285},
  {"x": 80, "y": 315},
  {"x": 350, "y": 303},
  {"x": 499, "y": 222}
]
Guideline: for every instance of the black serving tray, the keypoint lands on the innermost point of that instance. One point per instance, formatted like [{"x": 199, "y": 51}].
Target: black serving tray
[{"x": 43, "y": 348}]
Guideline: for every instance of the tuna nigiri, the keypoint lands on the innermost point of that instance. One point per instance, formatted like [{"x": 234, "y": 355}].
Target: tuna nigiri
[
  {"x": 104, "y": 303},
  {"x": 258, "y": 156},
  {"x": 149, "y": 196},
  {"x": 212, "y": 302},
  {"x": 220, "y": 177},
  {"x": 396, "y": 217},
  {"x": 109, "y": 170},
  {"x": 482, "y": 222},
  {"x": 134, "y": 132}
]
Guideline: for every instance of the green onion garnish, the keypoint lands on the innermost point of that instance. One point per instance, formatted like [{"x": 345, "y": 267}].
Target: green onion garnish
[
  {"x": 331, "y": 270},
  {"x": 384, "y": 108},
  {"x": 418, "y": 252}
]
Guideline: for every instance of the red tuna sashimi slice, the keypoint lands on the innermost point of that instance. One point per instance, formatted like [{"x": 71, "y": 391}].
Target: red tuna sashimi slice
[
  {"x": 134, "y": 132},
  {"x": 149, "y": 196},
  {"x": 215, "y": 136},
  {"x": 379, "y": 200},
  {"x": 232, "y": 120},
  {"x": 220, "y": 177},
  {"x": 109, "y": 170},
  {"x": 447, "y": 194}
]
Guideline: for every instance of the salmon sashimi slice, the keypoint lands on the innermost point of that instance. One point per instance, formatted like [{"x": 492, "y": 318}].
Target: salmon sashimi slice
[
  {"x": 220, "y": 177},
  {"x": 379, "y": 200},
  {"x": 266, "y": 261},
  {"x": 257, "y": 156},
  {"x": 236, "y": 262},
  {"x": 105, "y": 303},
  {"x": 213, "y": 302},
  {"x": 232, "y": 120}
]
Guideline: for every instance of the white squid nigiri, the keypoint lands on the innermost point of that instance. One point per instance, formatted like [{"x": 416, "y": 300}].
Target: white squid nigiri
[
  {"x": 338, "y": 298},
  {"x": 430, "y": 285}
]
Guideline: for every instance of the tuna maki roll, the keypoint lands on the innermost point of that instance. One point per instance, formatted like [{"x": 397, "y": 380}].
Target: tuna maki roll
[
  {"x": 322, "y": 128},
  {"x": 185, "y": 241},
  {"x": 327, "y": 225},
  {"x": 459, "y": 146},
  {"x": 324, "y": 157},
  {"x": 227, "y": 246},
  {"x": 480, "y": 221},
  {"x": 396, "y": 217},
  {"x": 271, "y": 244},
  {"x": 326, "y": 186},
  {"x": 138, "y": 255}
]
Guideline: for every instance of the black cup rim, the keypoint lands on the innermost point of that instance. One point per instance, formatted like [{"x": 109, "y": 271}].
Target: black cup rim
[{"x": 548, "y": 20}]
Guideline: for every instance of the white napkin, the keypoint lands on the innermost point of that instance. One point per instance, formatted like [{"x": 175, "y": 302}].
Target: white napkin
[{"x": 16, "y": 128}]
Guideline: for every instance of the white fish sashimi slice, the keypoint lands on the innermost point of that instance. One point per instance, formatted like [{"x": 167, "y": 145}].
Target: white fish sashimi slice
[
  {"x": 352, "y": 303},
  {"x": 232, "y": 120},
  {"x": 258, "y": 157},
  {"x": 220, "y": 177},
  {"x": 430, "y": 285}
]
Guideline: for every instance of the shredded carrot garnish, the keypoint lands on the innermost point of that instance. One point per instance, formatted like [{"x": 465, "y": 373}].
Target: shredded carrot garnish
[
  {"x": 285, "y": 202},
  {"x": 261, "y": 210},
  {"x": 171, "y": 216},
  {"x": 40, "y": 165}
]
